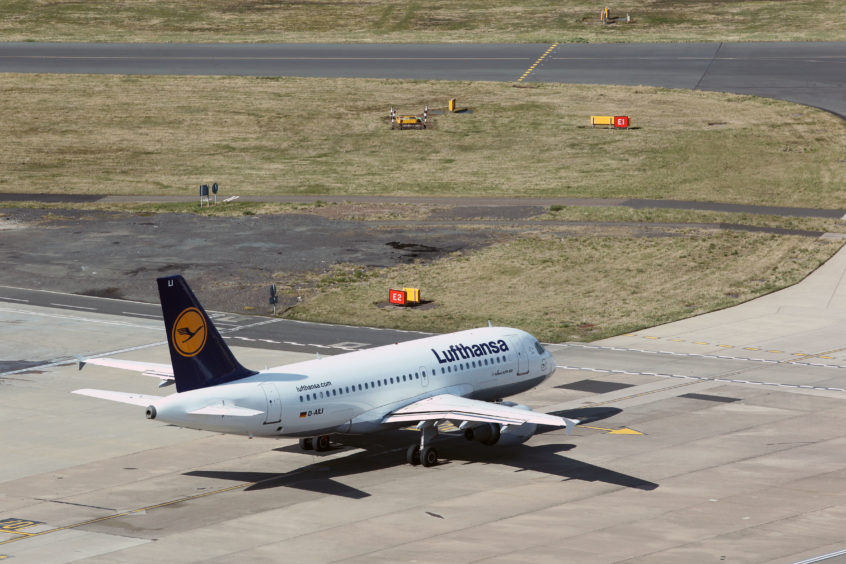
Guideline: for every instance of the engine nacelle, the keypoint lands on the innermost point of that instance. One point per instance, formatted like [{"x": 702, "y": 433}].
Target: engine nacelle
[
  {"x": 486, "y": 433},
  {"x": 503, "y": 435}
]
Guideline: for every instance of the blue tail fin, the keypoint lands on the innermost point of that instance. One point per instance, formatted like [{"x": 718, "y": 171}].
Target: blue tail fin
[{"x": 198, "y": 353}]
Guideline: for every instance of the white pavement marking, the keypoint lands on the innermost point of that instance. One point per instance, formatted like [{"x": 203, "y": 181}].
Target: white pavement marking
[
  {"x": 76, "y": 318},
  {"x": 141, "y": 315},
  {"x": 75, "y": 307},
  {"x": 699, "y": 355},
  {"x": 701, "y": 378},
  {"x": 824, "y": 556}
]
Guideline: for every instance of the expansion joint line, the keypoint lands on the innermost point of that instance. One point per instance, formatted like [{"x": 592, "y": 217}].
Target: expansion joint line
[{"x": 536, "y": 63}]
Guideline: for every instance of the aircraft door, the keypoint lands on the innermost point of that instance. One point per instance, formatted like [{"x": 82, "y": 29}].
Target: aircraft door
[
  {"x": 424, "y": 378},
  {"x": 522, "y": 359},
  {"x": 274, "y": 404}
]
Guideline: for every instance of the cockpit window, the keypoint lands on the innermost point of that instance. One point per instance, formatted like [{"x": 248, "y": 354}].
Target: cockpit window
[{"x": 539, "y": 348}]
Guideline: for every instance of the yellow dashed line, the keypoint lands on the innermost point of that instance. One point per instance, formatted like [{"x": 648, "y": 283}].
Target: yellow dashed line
[{"x": 535, "y": 65}]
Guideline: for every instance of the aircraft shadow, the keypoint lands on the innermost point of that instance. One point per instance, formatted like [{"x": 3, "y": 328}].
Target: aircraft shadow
[{"x": 387, "y": 449}]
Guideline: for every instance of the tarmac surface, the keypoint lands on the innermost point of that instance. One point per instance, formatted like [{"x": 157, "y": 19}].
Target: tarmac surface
[
  {"x": 724, "y": 444},
  {"x": 717, "y": 438}
]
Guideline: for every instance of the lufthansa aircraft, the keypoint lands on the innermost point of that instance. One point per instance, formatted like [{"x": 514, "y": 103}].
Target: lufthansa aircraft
[{"x": 458, "y": 377}]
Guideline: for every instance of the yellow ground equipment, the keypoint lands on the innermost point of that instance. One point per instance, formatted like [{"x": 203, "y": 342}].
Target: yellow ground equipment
[
  {"x": 408, "y": 122},
  {"x": 412, "y": 295},
  {"x": 607, "y": 121}
]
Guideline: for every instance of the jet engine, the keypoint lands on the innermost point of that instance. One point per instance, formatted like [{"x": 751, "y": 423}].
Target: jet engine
[{"x": 503, "y": 435}]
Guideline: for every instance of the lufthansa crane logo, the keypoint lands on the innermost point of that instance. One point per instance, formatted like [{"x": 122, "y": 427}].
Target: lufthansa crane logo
[{"x": 189, "y": 332}]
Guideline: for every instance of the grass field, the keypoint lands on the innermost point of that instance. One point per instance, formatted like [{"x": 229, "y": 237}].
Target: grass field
[
  {"x": 167, "y": 135},
  {"x": 491, "y": 21},
  {"x": 568, "y": 288}
]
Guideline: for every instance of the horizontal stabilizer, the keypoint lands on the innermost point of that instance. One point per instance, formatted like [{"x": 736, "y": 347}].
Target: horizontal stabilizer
[
  {"x": 163, "y": 371},
  {"x": 122, "y": 397},
  {"x": 230, "y": 410}
]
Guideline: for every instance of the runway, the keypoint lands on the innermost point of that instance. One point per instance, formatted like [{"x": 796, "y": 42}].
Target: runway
[{"x": 808, "y": 73}]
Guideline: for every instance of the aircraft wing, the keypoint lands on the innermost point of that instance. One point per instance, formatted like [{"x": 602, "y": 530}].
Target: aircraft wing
[
  {"x": 448, "y": 406},
  {"x": 162, "y": 371},
  {"x": 123, "y": 397}
]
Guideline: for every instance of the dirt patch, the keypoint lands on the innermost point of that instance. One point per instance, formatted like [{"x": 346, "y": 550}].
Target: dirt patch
[{"x": 231, "y": 261}]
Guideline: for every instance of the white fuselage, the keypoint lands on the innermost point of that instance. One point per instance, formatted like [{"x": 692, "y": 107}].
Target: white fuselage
[{"x": 353, "y": 392}]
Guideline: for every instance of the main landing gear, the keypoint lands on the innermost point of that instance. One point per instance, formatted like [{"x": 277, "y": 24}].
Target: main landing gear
[
  {"x": 422, "y": 453},
  {"x": 320, "y": 443}
]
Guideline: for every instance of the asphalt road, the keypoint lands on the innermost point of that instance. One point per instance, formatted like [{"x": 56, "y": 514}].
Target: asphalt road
[{"x": 808, "y": 73}]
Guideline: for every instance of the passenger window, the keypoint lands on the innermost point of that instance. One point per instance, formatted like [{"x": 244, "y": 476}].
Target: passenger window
[
  {"x": 443, "y": 370},
  {"x": 301, "y": 399},
  {"x": 365, "y": 385}
]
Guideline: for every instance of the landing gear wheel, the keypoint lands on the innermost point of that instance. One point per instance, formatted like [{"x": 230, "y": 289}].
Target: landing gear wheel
[
  {"x": 412, "y": 455},
  {"x": 321, "y": 443},
  {"x": 307, "y": 444},
  {"x": 429, "y": 456}
]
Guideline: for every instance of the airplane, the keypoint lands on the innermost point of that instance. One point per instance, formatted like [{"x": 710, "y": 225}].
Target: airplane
[{"x": 456, "y": 377}]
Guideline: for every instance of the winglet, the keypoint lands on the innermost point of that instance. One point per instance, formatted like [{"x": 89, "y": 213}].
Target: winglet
[
  {"x": 570, "y": 424},
  {"x": 80, "y": 361}
]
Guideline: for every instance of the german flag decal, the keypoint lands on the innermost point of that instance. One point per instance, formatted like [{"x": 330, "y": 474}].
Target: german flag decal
[{"x": 302, "y": 414}]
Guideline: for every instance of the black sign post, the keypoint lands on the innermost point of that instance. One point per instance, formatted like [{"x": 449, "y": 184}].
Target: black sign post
[{"x": 274, "y": 298}]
